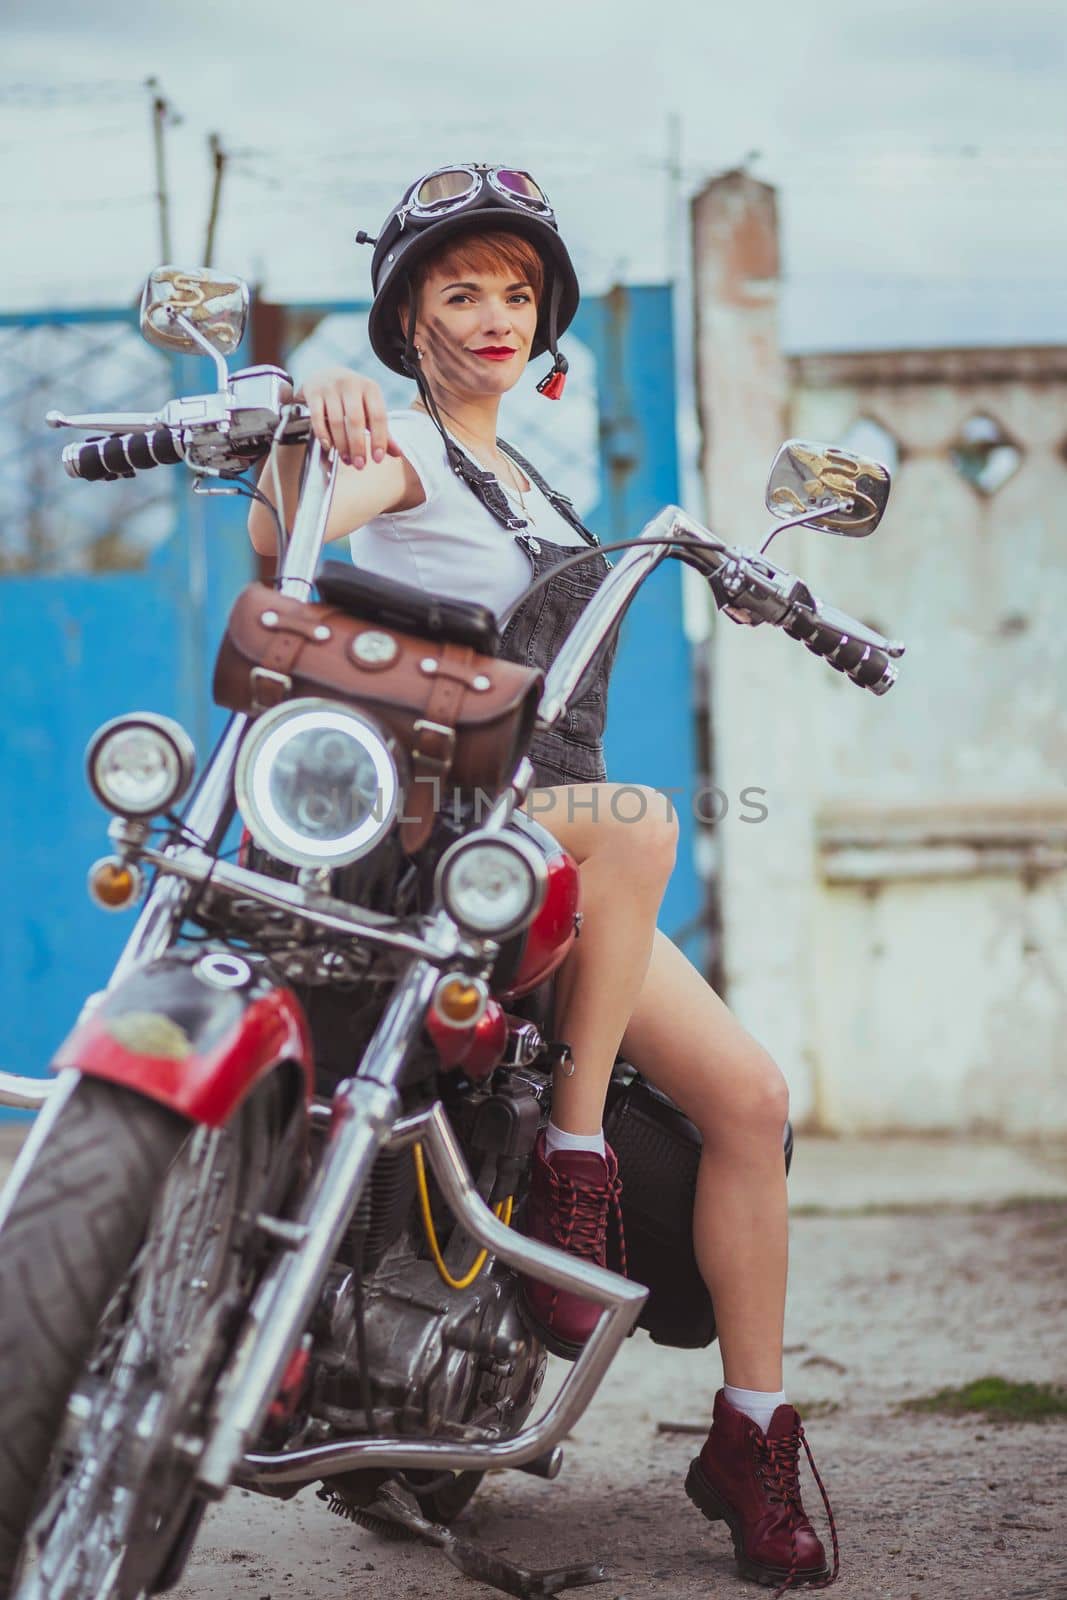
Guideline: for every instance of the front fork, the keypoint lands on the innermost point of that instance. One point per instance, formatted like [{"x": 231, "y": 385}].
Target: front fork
[{"x": 364, "y": 1110}]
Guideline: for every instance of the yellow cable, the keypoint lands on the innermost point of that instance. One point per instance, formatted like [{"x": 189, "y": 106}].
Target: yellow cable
[{"x": 502, "y": 1212}]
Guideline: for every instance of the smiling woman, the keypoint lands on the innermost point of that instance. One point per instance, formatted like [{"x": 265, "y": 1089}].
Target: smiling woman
[
  {"x": 471, "y": 281},
  {"x": 450, "y": 295}
]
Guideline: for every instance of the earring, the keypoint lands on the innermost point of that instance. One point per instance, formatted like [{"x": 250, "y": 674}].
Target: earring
[{"x": 418, "y": 353}]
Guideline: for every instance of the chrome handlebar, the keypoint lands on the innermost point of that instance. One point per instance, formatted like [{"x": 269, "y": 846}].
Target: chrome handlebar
[{"x": 224, "y": 433}]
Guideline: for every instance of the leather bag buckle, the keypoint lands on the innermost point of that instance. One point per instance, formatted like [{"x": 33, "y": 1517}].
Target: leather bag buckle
[
  {"x": 437, "y": 730},
  {"x": 268, "y": 688}
]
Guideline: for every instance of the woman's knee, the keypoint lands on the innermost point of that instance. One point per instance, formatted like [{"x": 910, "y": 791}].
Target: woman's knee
[
  {"x": 640, "y": 827},
  {"x": 755, "y": 1107}
]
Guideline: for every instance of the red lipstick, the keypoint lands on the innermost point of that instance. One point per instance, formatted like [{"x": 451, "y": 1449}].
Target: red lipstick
[{"x": 495, "y": 352}]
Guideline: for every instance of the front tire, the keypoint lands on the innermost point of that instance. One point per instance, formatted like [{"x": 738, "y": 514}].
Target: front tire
[
  {"x": 65, "y": 1247},
  {"x": 127, "y": 1260}
]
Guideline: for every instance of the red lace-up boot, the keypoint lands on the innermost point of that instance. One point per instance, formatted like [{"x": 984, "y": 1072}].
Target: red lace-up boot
[
  {"x": 571, "y": 1195},
  {"x": 751, "y": 1481}
]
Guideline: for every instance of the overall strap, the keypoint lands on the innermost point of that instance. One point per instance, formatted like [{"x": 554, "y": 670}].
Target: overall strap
[
  {"x": 559, "y": 502},
  {"x": 484, "y": 484}
]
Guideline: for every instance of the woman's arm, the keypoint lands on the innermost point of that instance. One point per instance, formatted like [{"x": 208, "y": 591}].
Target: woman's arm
[{"x": 347, "y": 414}]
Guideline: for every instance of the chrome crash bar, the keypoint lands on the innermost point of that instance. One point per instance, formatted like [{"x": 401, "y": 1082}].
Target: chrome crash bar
[{"x": 621, "y": 1299}]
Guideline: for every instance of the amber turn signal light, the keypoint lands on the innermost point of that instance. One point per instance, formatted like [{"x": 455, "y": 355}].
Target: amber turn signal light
[
  {"x": 459, "y": 1000},
  {"x": 114, "y": 884}
]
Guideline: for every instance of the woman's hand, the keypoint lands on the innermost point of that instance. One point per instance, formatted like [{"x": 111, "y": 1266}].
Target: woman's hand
[{"x": 345, "y": 408}]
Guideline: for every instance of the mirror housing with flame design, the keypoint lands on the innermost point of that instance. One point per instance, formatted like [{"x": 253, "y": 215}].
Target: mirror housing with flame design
[
  {"x": 215, "y": 304},
  {"x": 805, "y": 476}
]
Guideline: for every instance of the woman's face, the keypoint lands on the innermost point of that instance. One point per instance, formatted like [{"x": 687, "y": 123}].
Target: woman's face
[{"x": 475, "y": 331}]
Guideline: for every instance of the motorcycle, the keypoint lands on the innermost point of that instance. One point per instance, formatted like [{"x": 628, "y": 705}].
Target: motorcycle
[{"x": 262, "y": 1230}]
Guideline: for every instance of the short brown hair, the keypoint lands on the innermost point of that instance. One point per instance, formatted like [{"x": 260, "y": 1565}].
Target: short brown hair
[{"x": 497, "y": 253}]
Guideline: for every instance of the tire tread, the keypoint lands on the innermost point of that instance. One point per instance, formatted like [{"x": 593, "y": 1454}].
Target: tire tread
[{"x": 70, "y": 1236}]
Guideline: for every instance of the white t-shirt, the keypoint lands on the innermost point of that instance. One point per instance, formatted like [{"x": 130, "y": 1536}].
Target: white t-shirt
[{"x": 451, "y": 545}]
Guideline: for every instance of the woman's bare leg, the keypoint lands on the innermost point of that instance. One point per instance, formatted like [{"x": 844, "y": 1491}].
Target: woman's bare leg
[
  {"x": 625, "y": 866},
  {"x": 686, "y": 1041}
]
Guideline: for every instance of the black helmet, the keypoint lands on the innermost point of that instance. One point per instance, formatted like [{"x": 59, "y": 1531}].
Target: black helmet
[{"x": 454, "y": 200}]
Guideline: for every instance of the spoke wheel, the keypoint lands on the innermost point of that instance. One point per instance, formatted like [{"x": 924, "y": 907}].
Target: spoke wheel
[{"x": 169, "y": 1214}]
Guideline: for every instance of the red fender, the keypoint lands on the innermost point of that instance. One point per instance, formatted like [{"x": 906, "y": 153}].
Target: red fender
[
  {"x": 530, "y": 959},
  {"x": 196, "y": 1030}
]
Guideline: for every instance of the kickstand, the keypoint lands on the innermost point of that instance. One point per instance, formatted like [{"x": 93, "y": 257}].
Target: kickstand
[{"x": 474, "y": 1562}]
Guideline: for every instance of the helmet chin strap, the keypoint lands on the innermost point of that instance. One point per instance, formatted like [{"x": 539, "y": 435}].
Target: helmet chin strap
[{"x": 552, "y": 384}]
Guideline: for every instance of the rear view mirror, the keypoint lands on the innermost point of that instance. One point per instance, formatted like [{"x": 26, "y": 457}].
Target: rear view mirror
[
  {"x": 215, "y": 305},
  {"x": 853, "y": 489}
]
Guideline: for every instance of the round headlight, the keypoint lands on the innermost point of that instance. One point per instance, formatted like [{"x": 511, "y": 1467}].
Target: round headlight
[
  {"x": 316, "y": 783},
  {"x": 492, "y": 884},
  {"x": 141, "y": 764}
]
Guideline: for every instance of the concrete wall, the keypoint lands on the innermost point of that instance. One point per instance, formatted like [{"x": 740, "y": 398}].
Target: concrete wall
[{"x": 894, "y": 931}]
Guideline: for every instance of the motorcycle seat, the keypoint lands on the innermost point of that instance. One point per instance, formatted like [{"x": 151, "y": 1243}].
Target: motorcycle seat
[{"x": 374, "y": 598}]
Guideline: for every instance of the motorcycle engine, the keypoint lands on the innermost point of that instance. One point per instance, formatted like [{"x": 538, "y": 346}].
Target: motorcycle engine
[{"x": 439, "y": 1361}]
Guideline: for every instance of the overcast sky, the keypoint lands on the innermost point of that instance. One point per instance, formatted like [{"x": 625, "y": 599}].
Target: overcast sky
[{"x": 920, "y": 151}]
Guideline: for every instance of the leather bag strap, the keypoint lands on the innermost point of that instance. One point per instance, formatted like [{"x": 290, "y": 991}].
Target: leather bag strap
[
  {"x": 286, "y": 636},
  {"x": 434, "y": 745}
]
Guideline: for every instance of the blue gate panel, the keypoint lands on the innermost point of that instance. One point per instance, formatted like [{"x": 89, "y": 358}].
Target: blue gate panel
[
  {"x": 81, "y": 649},
  {"x": 649, "y": 736}
]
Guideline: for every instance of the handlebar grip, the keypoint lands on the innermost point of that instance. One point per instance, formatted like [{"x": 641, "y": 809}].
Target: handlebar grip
[
  {"x": 865, "y": 664},
  {"x": 121, "y": 455}
]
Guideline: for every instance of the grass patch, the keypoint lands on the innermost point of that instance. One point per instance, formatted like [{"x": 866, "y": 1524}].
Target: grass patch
[
  {"x": 816, "y": 1408},
  {"x": 998, "y": 1399}
]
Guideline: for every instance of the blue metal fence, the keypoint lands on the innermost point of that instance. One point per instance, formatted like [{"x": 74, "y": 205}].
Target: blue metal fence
[{"x": 113, "y": 597}]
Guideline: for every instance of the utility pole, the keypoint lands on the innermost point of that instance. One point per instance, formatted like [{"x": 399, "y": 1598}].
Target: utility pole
[
  {"x": 162, "y": 114},
  {"x": 218, "y": 159}
]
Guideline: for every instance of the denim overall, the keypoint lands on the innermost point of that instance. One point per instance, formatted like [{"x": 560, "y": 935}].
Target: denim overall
[{"x": 572, "y": 752}]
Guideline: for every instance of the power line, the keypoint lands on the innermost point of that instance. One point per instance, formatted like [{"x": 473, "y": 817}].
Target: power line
[
  {"x": 109, "y": 130},
  {"x": 107, "y": 202},
  {"x": 50, "y": 95}
]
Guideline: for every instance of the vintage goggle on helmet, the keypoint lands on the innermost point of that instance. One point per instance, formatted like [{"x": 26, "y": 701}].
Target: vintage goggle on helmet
[
  {"x": 450, "y": 188},
  {"x": 461, "y": 198}
]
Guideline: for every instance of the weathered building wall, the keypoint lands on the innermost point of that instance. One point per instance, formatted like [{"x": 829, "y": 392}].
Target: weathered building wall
[{"x": 895, "y": 930}]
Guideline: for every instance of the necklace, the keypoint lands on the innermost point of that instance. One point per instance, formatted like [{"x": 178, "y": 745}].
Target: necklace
[{"x": 516, "y": 490}]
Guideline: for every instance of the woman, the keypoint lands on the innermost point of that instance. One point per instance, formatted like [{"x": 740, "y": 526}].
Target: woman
[{"x": 471, "y": 280}]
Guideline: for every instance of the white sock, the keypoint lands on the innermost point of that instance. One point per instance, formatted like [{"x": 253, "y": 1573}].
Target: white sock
[
  {"x": 755, "y": 1403},
  {"x": 557, "y": 1139}
]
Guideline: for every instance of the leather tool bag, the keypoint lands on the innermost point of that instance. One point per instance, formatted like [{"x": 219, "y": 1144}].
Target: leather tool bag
[{"x": 462, "y": 718}]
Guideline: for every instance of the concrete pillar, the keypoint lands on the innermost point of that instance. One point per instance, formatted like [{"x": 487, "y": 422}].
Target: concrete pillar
[{"x": 762, "y": 716}]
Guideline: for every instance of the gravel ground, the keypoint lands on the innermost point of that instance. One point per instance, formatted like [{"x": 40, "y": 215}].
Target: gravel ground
[{"x": 882, "y": 1308}]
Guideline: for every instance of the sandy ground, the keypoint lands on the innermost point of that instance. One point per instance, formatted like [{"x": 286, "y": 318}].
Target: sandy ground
[{"x": 884, "y": 1304}]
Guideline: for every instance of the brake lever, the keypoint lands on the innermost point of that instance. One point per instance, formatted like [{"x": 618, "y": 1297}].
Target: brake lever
[
  {"x": 250, "y": 403},
  {"x": 760, "y": 591},
  {"x": 113, "y": 422},
  {"x": 856, "y": 630}
]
